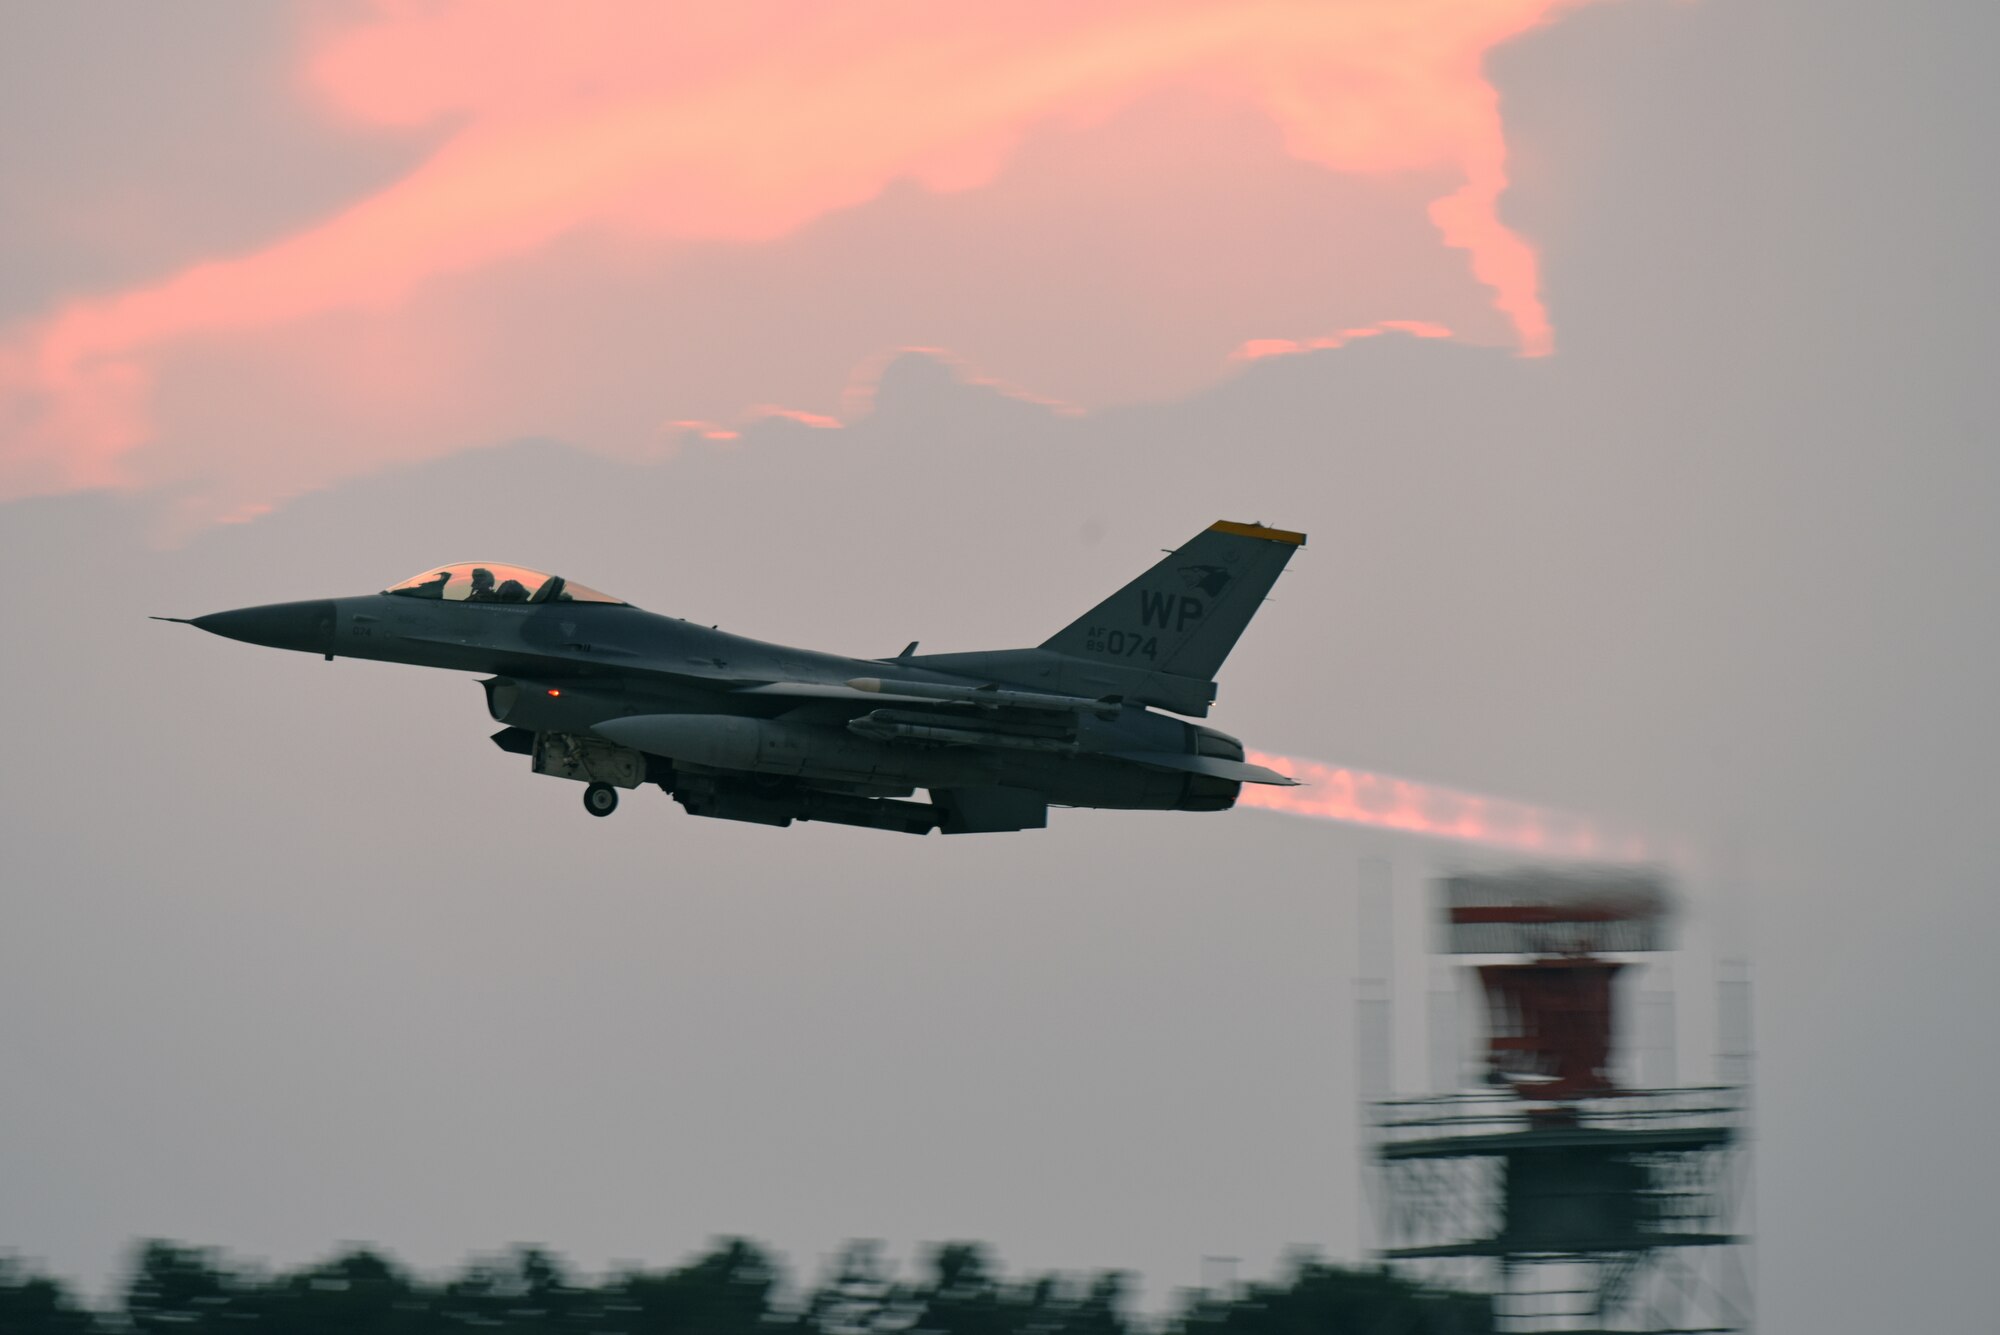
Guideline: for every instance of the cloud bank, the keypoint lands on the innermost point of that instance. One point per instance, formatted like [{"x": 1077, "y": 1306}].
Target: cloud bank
[{"x": 631, "y": 133}]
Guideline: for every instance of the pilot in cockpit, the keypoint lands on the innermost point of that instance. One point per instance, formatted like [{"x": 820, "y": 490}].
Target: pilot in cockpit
[{"x": 482, "y": 586}]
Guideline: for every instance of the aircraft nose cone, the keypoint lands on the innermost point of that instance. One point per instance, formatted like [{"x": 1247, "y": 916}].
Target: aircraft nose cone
[{"x": 306, "y": 626}]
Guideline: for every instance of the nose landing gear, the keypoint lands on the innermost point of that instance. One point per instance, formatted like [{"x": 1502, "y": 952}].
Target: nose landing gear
[{"x": 600, "y": 799}]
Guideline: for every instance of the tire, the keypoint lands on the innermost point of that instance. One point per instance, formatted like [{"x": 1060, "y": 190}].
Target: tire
[{"x": 600, "y": 799}]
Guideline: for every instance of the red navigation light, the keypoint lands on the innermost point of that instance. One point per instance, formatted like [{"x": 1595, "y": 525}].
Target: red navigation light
[{"x": 554, "y": 692}]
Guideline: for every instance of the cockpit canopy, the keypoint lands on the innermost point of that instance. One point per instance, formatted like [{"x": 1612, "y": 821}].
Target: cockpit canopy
[{"x": 492, "y": 582}]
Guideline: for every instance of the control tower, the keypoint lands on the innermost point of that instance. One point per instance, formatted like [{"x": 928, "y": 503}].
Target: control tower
[{"x": 1577, "y": 1204}]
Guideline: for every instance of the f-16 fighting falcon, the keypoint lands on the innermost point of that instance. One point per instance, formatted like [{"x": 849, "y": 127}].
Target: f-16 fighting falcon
[{"x": 593, "y": 689}]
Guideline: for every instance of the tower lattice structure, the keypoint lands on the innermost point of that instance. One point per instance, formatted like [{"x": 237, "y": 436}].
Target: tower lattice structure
[{"x": 1578, "y": 1204}]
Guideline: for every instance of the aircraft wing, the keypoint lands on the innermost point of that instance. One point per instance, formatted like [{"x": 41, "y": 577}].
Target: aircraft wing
[
  {"x": 816, "y": 690},
  {"x": 876, "y": 691},
  {"x": 577, "y": 660}
]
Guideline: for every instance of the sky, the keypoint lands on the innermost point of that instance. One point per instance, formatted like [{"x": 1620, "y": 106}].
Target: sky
[{"x": 1626, "y": 363}]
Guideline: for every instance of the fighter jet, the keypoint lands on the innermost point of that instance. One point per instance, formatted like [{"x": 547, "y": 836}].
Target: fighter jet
[{"x": 593, "y": 689}]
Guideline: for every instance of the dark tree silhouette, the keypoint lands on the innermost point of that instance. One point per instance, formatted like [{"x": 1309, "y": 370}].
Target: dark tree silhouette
[
  {"x": 858, "y": 1297},
  {"x": 179, "y": 1289},
  {"x": 965, "y": 1297},
  {"x": 1322, "y": 1298},
  {"x": 736, "y": 1288},
  {"x": 727, "y": 1292},
  {"x": 32, "y": 1304}
]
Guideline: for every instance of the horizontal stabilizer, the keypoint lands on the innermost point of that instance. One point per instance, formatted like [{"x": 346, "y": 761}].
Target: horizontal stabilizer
[{"x": 1237, "y": 771}]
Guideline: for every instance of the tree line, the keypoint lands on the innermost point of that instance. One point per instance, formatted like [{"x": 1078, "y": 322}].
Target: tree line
[{"x": 736, "y": 1288}]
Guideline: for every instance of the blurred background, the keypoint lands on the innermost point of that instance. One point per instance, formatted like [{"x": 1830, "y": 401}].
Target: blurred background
[{"x": 1624, "y": 361}]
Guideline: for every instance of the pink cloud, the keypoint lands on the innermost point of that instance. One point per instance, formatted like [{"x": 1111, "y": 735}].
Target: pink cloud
[
  {"x": 1256, "y": 349},
  {"x": 739, "y": 125}
]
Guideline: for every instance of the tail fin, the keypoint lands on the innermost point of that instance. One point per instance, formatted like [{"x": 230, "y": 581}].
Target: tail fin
[{"x": 1184, "y": 615}]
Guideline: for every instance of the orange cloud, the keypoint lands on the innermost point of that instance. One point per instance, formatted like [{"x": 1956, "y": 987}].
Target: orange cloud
[
  {"x": 1257, "y": 349},
  {"x": 742, "y": 123}
]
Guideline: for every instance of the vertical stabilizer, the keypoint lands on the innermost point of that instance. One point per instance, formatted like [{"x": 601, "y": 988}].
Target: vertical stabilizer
[{"x": 1185, "y": 614}]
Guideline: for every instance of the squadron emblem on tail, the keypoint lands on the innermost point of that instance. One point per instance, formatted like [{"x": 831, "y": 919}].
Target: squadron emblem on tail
[{"x": 1211, "y": 580}]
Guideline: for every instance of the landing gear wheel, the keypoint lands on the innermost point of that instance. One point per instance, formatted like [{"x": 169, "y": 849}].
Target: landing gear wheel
[{"x": 600, "y": 799}]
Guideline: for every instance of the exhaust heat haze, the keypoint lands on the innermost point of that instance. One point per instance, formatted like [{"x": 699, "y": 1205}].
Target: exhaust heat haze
[
  {"x": 580, "y": 141},
  {"x": 1357, "y": 797}
]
